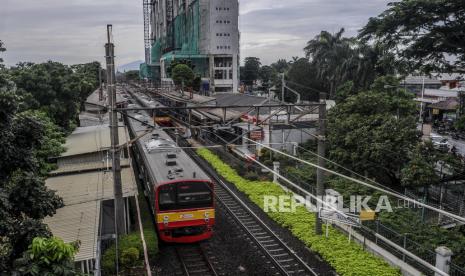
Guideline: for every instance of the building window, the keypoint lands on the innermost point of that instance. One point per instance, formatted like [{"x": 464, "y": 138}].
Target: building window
[
  {"x": 219, "y": 74},
  {"x": 223, "y": 61},
  {"x": 230, "y": 74}
]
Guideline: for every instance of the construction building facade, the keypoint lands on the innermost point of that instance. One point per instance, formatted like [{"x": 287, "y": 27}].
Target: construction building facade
[{"x": 203, "y": 32}]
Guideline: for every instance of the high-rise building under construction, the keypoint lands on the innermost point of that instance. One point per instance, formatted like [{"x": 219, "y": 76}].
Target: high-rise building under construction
[{"x": 203, "y": 32}]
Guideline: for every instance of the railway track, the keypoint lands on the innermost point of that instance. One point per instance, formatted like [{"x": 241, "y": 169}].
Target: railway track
[
  {"x": 283, "y": 258},
  {"x": 194, "y": 260}
]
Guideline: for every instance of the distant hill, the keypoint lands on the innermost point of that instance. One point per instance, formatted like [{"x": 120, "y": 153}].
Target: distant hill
[{"x": 130, "y": 66}]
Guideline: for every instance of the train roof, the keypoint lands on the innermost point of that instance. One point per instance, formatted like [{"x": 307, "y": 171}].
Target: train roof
[{"x": 165, "y": 161}]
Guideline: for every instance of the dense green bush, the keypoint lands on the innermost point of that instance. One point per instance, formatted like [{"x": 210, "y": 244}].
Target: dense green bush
[
  {"x": 346, "y": 258},
  {"x": 47, "y": 256},
  {"x": 150, "y": 234},
  {"x": 126, "y": 245},
  {"x": 130, "y": 257}
]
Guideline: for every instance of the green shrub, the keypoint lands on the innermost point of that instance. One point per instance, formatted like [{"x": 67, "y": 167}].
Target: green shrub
[
  {"x": 130, "y": 257},
  {"x": 251, "y": 175},
  {"x": 346, "y": 258},
  {"x": 126, "y": 242},
  {"x": 150, "y": 235}
]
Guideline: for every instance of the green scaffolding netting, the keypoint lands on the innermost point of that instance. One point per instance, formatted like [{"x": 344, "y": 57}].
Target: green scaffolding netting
[
  {"x": 182, "y": 40},
  {"x": 143, "y": 71}
]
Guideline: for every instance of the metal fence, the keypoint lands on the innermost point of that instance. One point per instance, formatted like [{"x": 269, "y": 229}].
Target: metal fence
[{"x": 403, "y": 240}]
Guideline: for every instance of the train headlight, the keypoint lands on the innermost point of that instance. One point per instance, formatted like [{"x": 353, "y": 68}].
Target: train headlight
[
  {"x": 165, "y": 220},
  {"x": 207, "y": 216}
]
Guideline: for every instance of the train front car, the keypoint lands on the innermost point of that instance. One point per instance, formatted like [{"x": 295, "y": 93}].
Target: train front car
[
  {"x": 185, "y": 211},
  {"x": 180, "y": 192},
  {"x": 183, "y": 194}
]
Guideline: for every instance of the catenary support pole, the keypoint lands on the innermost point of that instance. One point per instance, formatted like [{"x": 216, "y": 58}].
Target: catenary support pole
[
  {"x": 116, "y": 166},
  {"x": 320, "y": 174},
  {"x": 283, "y": 84}
]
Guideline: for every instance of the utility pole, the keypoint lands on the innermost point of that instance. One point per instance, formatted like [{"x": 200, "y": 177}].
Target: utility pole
[
  {"x": 422, "y": 103},
  {"x": 320, "y": 174},
  {"x": 100, "y": 92},
  {"x": 282, "y": 87},
  {"x": 115, "y": 152}
]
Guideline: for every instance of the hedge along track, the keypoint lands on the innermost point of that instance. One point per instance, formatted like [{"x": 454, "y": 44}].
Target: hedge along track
[
  {"x": 194, "y": 260},
  {"x": 284, "y": 259}
]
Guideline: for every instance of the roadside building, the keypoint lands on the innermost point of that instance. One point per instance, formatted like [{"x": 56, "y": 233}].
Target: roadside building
[
  {"x": 204, "y": 33},
  {"x": 84, "y": 180}
]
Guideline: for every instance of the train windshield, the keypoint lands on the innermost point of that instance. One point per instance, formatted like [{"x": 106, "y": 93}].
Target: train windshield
[{"x": 185, "y": 195}]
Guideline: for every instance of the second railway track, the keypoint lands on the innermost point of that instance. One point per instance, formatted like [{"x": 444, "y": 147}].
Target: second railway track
[
  {"x": 283, "y": 258},
  {"x": 194, "y": 260}
]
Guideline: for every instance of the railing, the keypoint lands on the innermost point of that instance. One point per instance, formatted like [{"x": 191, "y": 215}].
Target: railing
[
  {"x": 456, "y": 270},
  {"x": 403, "y": 240}
]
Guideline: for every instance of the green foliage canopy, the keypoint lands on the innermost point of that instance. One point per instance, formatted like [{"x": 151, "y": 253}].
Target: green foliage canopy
[
  {"x": 373, "y": 132},
  {"x": 49, "y": 257},
  {"x": 251, "y": 70},
  {"x": 56, "y": 89},
  {"x": 183, "y": 74},
  {"x": 339, "y": 59},
  {"x": 428, "y": 35}
]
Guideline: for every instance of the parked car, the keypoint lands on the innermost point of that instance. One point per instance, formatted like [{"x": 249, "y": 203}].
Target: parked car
[{"x": 440, "y": 142}]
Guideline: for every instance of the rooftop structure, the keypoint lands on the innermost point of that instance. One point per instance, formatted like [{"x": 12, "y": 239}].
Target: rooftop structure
[
  {"x": 204, "y": 33},
  {"x": 85, "y": 182}
]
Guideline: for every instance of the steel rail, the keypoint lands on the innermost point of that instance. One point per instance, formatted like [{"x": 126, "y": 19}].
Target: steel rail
[
  {"x": 200, "y": 265},
  {"x": 255, "y": 227}
]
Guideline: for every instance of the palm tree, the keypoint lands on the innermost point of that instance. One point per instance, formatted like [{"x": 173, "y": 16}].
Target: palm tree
[
  {"x": 340, "y": 59},
  {"x": 327, "y": 51}
]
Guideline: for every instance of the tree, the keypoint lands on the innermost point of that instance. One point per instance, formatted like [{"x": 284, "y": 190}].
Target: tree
[
  {"x": 340, "y": 59},
  {"x": 24, "y": 198},
  {"x": 86, "y": 77},
  {"x": 183, "y": 75},
  {"x": 374, "y": 131},
  {"x": 176, "y": 62},
  {"x": 302, "y": 77},
  {"x": 267, "y": 75},
  {"x": 421, "y": 169},
  {"x": 2, "y": 49},
  {"x": 132, "y": 75},
  {"x": 428, "y": 35},
  {"x": 280, "y": 66},
  {"x": 250, "y": 71},
  {"x": 56, "y": 89},
  {"x": 48, "y": 256}
]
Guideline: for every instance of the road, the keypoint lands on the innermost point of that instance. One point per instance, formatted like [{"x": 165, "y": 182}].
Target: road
[{"x": 459, "y": 144}]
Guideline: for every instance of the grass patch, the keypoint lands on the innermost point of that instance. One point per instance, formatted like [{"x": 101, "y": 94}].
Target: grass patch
[
  {"x": 347, "y": 259},
  {"x": 150, "y": 234}
]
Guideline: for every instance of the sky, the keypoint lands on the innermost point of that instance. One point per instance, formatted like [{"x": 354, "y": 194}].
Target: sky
[{"x": 74, "y": 31}]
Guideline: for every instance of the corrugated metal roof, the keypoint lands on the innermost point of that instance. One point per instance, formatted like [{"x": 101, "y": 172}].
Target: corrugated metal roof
[
  {"x": 78, "y": 167},
  {"x": 449, "y": 93},
  {"x": 90, "y": 186},
  {"x": 78, "y": 222},
  {"x": 82, "y": 195},
  {"x": 91, "y": 139}
]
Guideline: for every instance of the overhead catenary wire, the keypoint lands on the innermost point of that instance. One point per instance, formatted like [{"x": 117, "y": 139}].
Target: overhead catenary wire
[
  {"x": 392, "y": 193},
  {"x": 382, "y": 189},
  {"x": 326, "y": 204}
]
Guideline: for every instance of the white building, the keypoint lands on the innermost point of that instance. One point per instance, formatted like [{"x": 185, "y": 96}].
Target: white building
[{"x": 203, "y": 32}]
